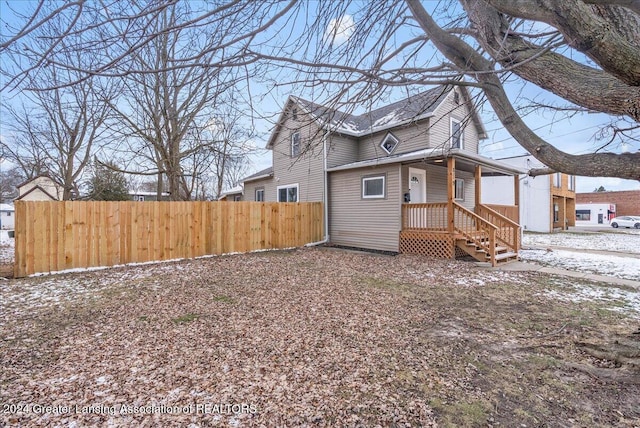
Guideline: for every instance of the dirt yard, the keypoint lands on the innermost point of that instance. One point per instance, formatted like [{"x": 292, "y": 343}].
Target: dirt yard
[{"x": 317, "y": 337}]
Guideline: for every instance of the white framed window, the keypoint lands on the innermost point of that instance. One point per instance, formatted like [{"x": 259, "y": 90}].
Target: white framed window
[
  {"x": 572, "y": 183},
  {"x": 373, "y": 187},
  {"x": 457, "y": 134},
  {"x": 557, "y": 180},
  {"x": 294, "y": 113},
  {"x": 259, "y": 195},
  {"x": 288, "y": 193},
  {"x": 139, "y": 198},
  {"x": 295, "y": 144},
  {"x": 237, "y": 198},
  {"x": 458, "y": 190},
  {"x": 389, "y": 143}
]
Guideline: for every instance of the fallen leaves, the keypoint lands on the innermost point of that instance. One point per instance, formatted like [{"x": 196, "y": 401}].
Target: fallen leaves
[{"x": 307, "y": 337}]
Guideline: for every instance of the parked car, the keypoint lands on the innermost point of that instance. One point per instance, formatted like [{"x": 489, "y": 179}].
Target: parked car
[{"x": 626, "y": 221}]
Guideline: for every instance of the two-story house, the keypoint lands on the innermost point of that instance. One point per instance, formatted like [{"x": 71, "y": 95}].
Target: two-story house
[
  {"x": 547, "y": 202},
  {"x": 402, "y": 178}
]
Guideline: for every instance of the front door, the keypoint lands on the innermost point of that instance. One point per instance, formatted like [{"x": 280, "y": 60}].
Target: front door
[{"x": 418, "y": 185}]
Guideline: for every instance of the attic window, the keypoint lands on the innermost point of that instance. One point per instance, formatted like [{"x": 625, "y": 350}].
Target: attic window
[
  {"x": 456, "y": 97},
  {"x": 294, "y": 113},
  {"x": 389, "y": 143}
]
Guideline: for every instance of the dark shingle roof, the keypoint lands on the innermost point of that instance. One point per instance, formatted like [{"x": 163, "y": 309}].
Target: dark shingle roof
[
  {"x": 259, "y": 174},
  {"x": 402, "y": 111}
]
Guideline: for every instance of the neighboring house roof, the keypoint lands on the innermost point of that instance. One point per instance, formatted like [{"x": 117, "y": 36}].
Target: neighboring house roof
[
  {"x": 238, "y": 190},
  {"x": 133, "y": 192},
  {"x": 6, "y": 207},
  {"x": 35, "y": 178},
  {"x": 265, "y": 173},
  {"x": 435, "y": 153},
  {"x": 33, "y": 189},
  {"x": 416, "y": 107}
]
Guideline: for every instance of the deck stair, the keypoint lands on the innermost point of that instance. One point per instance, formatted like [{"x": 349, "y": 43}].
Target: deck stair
[{"x": 481, "y": 252}]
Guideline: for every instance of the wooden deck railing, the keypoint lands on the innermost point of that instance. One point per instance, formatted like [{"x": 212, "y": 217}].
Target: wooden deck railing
[
  {"x": 469, "y": 225},
  {"x": 476, "y": 229},
  {"x": 512, "y": 212},
  {"x": 424, "y": 216},
  {"x": 508, "y": 232}
]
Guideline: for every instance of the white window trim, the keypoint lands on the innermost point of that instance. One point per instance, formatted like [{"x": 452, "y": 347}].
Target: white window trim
[
  {"x": 376, "y": 177},
  {"x": 255, "y": 194},
  {"x": 299, "y": 144},
  {"x": 557, "y": 180},
  {"x": 287, "y": 186},
  {"x": 455, "y": 186},
  {"x": 451, "y": 122},
  {"x": 387, "y": 137}
]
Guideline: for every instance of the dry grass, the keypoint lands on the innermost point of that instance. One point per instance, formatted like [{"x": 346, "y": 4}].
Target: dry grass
[{"x": 310, "y": 337}]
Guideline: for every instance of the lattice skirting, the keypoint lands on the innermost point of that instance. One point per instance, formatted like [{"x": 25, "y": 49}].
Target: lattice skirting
[{"x": 437, "y": 245}]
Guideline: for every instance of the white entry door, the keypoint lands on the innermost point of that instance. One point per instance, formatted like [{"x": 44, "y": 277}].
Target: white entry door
[{"x": 418, "y": 185}]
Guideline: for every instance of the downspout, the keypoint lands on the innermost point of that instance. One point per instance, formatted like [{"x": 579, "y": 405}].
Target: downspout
[{"x": 325, "y": 194}]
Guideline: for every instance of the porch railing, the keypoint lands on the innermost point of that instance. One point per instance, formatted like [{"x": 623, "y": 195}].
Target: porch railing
[
  {"x": 508, "y": 231},
  {"x": 476, "y": 229},
  {"x": 466, "y": 224},
  {"x": 512, "y": 212},
  {"x": 424, "y": 216}
]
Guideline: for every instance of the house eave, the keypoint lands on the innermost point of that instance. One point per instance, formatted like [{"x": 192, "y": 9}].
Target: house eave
[
  {"x": 260, "y": 177},
  {"x": 432, "y": 154}
]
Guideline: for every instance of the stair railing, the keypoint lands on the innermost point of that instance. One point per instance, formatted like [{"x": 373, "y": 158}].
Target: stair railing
[
  {"x": 508, "y": 231},
  {"x": 476, "y": 229}
]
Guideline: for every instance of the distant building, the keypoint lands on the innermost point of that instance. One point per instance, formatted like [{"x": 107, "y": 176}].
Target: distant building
[
  {"x": 595, "y": 214},
  {"x": 546, "y": 202},
  {"x": 235, "y": 194},
  {"x": 40, "y": 188},
  {"x": 627, "y": 202},
  {"x": 148, "y": 196},
  {"x": 7, "y": 215}
]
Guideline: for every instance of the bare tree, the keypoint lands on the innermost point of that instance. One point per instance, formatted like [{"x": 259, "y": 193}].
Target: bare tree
[
  {"x": 164, "y": 108},
  {"x": 56, "y": 136},
  {"x": 583, "y": 51}
]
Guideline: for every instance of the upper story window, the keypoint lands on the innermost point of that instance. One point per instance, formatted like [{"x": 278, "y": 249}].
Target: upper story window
[
  {"x": 457, "y": 134},
  {"x": 373, "y": 187},
  {"x": 295, "y": 144},
  {"x": 572, "y": 183},
  {"x": 389, "y": 143},
  {"x": 259, "y": 195},
  {"x": 294, "y": 113},
  {"x": 456, "y": 97},
  {"x": 288, "y": 193},
  {"x": 557, "y": 179}
]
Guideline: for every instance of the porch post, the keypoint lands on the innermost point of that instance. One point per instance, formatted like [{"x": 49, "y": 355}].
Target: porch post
[
  {"x": 478, "y": 187},
  {"x": 451, "y": 177},
  {"x": 516, "y": 189}
]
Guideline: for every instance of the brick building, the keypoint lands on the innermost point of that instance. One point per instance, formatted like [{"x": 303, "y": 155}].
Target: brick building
[{"x": 627, "y": 202}]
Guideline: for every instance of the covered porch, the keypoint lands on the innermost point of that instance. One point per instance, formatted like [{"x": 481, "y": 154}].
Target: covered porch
[{"x": 443, "y": 218}]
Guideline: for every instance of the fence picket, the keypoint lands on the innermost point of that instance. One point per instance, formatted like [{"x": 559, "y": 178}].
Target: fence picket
[{"x": 54, "y": 236}]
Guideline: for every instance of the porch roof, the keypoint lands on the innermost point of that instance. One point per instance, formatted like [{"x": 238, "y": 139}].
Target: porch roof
[{"x": 469, "y": 160}]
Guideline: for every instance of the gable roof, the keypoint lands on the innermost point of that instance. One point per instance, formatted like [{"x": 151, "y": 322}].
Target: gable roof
[
  {"x": 33, "y": 189},
  {"x": 267, "y": 172},
  {"x": 416, "y": 107}
]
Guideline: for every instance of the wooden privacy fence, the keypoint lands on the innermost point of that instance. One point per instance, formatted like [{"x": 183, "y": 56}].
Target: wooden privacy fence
[{"x": 55, "y": 236}]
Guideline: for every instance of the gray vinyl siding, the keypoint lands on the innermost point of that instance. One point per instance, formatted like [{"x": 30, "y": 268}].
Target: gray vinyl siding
[
  {"x": 437, "y": 184},
  {"x": 269, "y": 186},
  {"x": 307, "y": 169},
  {"x": 441, "y": 125},
  {"x": 411, "y": 137},
  {"x": 341, "y": 150},
  {"x": 365, "y": 223}
]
